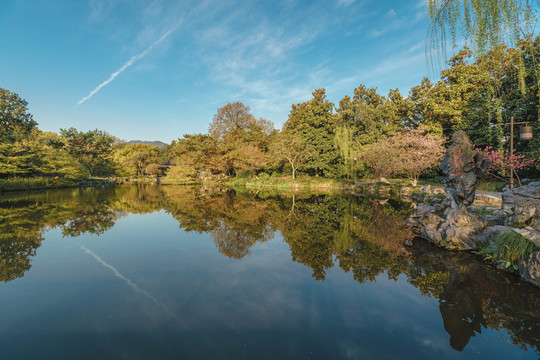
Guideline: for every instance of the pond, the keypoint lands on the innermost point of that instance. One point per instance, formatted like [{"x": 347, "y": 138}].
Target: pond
[{"x": 150, "y": 272}]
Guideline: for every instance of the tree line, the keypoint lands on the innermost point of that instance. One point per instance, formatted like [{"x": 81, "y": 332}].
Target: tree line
[{"x": 364, "y": 134}]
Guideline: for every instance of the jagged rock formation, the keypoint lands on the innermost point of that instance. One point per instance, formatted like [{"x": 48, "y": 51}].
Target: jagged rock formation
[
  {"x": 450, "y": 224},
  {"x": 463, "y": 167}
]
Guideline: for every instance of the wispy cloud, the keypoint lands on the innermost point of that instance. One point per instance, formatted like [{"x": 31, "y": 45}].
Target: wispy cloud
[
  {"x": 417, "y": 46},
  {"x": 420, "y": 3},
  {"x": 377, "y": 33},
  {"x": 345, "y": 2},
  {"x": 129, "y": 63}
]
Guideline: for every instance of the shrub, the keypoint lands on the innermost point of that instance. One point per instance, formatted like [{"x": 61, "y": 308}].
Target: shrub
[
  {"x": 484, "y": 211},
  {"x": 244, "y": 174},
  {"x": 514, "y": 247}
]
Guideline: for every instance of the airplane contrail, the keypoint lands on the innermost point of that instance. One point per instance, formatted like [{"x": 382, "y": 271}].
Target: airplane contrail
[
  {"x": 128, "y": 64},
  {"x": 129, "y": 282}
]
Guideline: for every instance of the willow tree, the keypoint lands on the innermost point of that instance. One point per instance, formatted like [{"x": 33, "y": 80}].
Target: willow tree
[
  {"x": 486, "y": 24},
  {"x": 344, "y": 141},
  {"x": 482, "y": 23}
]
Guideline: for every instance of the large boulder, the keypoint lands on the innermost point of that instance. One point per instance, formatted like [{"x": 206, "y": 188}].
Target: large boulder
[
  {"x": 454, "y": 229},
  {"x": 522, "y": 204},
  {"x": 463, "y": 167},
  {"x": 530, "y": 269},
  {"x": 460, "y": 229}
]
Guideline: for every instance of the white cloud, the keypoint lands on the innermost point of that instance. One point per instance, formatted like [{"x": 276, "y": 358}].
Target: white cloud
[
  {"x": 416, "y": 46},
  {"x": 345, "y": 2},
  {"x": 377, "y": 33},
  {"x": 420, "y": 3}
]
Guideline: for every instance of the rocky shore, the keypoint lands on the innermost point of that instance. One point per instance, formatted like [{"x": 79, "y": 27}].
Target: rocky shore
[{"x": 507, "y": 235}]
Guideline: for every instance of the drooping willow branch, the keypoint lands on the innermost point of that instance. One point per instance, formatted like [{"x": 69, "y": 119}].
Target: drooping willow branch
[{"x": 482, "y": 24}]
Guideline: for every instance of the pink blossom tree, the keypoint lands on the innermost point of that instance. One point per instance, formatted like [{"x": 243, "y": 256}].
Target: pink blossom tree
[
  {"x": 407, "y": 153},
  {"x": 502, "y": 162}
]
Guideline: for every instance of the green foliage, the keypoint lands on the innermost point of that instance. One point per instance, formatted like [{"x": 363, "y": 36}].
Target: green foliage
[
  {"x": 92, "y": 149},
  {"x": 484, "y": 211},
  {"x": 244, "y": 174},
  {"x": 288, "y": 147},
  {"x": 38, "y": 154},
  {"x": 199, "y": 152},
  {"x": 486, "y": 23},
  {"x": 153, "y": 169},
  {"x": 15, "y": 120},
  {"x": 181, "y": 175},
  {"x": 348, "y": 150},
  {"x": 510, "y": 248},
  {"x": 135, "y": 158},
  {"x": 514, "y": 247},
  {"x": 18, "y": 184},
  {"x": 241, "y": 139},
  {"x": 440, "y": 196},
  {"x": 370, "y": 115},
  {"x": 314, "y": 122}
]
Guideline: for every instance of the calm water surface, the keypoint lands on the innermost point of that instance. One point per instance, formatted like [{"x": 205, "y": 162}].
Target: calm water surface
[{"x": 181, "y": 273}]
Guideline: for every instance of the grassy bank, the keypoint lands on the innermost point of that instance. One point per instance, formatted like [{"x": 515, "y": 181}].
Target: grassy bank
[
  {"x": 287, "y": 183},
  {"x": 37, "y": 183}
]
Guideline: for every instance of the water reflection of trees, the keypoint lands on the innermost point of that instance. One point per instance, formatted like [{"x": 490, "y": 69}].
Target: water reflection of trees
[
  {"x": 236, "y": 223},
  {"x": 363, "y": 236},
  {"x": 25, "y": 217}
]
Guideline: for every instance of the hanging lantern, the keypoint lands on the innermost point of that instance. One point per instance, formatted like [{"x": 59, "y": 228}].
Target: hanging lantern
[{"x": 526, "y": 132}]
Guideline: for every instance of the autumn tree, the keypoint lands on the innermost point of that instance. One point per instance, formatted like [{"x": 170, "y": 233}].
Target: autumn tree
[
  {"x": 408, "y": 153},
  {"x": 198, "y": 151},
  {"x": 241, "y": 138},
  {"x": 234, "y": 122},
  {"x": 288, "y": 147}
]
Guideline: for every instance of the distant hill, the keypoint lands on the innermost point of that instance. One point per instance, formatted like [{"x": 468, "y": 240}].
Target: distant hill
[{"x": 161, "y": 144}]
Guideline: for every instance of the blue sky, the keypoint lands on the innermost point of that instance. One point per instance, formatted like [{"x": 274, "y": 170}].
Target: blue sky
[{"x": 155, "y": 70}]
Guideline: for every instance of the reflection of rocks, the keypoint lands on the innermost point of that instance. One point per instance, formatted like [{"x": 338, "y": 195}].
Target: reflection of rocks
[
  {"x": 461, "y": 310},
  {"x": 463, "y": 168},
  {"x": 476, "y": 296}
]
